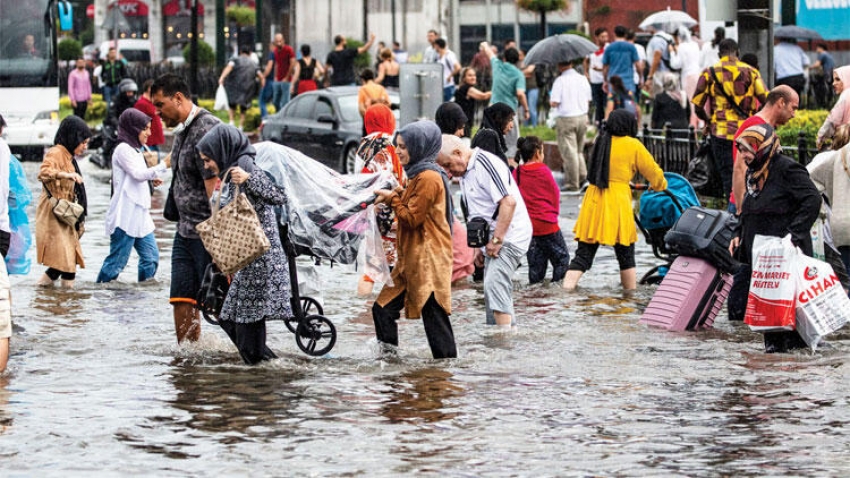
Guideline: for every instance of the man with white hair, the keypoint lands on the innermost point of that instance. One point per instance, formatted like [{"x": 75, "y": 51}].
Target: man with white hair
[{"x": 491, "y": 194}]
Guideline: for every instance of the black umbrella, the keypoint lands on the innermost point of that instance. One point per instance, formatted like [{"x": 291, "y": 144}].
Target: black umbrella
[
  {"x": 560, "y": 49},
  {"x": 797, "y": 33}
]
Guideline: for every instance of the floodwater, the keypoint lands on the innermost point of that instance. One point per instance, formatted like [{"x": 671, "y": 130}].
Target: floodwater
[{"x": 97, "y": 386}]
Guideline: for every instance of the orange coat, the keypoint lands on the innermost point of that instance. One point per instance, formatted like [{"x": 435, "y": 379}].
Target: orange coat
[
  {"x": 57, "y": 244},
  {"x": 424, "y": 243}
]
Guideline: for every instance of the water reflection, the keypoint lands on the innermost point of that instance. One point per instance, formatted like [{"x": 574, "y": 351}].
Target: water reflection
[
  {"x": 422, "y": 395},
  {"x": 235, "y": 401}
]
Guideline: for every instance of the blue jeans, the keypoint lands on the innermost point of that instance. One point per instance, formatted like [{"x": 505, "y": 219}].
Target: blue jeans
[
  {"x": 120, "y": 245},
  {"x": 448, "y": 92},
  {"x": 533, "y": 95},
  {"x": 281, "y": 94},
  {"x": 108, "y": 91},
  {"x": 542, "y": 251},
  {"x": 266, "y": 96}
]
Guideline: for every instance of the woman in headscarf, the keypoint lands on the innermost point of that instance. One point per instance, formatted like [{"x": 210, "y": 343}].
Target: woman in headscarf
[
  {"x": 606, "y": 215},
  {"x": 498, "y": 120},
  {"x": 451, "y": 119},
  {"x": 840, "y": 113},
  {"x": 422, "y": 276},
  {"x": 128, "y": 220},
  {"x": 376, "y": 153},
  {"x": 58, "y": 244},
  {"x": 781, "y": 199},
  {"x": 260, "y": 291},
  {"x": 671, "y": 105}
]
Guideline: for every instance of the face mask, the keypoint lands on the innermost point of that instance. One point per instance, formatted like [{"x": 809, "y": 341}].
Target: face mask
[{"x": 182, "y": 126}]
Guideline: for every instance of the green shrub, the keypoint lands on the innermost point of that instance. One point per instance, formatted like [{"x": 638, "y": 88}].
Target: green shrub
[
  {"x": 69, "y": 49},
  {"x": 543, "y": 132},
  {"x": 242, "y": 16},
  {"x": 206, "y": 55},
  {"x": 806, "y": 121}
]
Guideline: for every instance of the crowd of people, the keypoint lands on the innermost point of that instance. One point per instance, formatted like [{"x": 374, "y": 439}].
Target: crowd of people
[{"x": 503, "y": 180}]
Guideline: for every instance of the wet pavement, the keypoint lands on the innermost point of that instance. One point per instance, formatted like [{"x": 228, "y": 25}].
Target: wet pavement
[{"x": 98, "y": 386}]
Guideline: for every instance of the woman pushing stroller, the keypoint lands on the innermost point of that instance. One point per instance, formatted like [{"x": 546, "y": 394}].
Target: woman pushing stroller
[
  {"x": 606, "y": 215},
  {"x": 261, "y": 290}
]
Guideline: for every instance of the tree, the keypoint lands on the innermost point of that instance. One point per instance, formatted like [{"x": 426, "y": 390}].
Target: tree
[{"x": 542, "y": 7}]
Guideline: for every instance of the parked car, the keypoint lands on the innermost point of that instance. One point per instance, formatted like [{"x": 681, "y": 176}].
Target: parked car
[{"x": 323, "y": 124}]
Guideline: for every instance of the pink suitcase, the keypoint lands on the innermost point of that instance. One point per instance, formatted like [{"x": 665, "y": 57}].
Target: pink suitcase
[{"x": 689, "y": 297}]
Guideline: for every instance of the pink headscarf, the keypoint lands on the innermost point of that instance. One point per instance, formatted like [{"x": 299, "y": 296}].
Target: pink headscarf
[{"x": 840, "y": 113}]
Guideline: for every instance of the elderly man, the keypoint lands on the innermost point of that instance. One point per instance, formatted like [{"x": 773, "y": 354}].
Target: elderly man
[
  {"x": 489, "y": 193},
  {"x": 423, "y": 272}
]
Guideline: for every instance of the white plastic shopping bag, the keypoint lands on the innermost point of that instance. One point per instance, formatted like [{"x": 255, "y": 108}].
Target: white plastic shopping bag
[
  {"x": 822, "y": 305},
  {"x": 770, "y": 303},
  {"x": 221, "y": 103}
]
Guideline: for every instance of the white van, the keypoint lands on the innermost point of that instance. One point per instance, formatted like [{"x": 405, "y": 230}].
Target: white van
[{"x": 134, "y": 50}]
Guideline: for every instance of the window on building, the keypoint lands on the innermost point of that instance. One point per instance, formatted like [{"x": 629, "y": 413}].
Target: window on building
[{"x": 470, "y": 37}]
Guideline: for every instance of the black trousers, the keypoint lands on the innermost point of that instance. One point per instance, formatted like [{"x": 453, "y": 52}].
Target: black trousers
[
  {"x": 250, "y": 340},
  {"x": 80, "y": 109},
  {"x": 721, "y": 148},
  {"x": 5, "y": 242},
  {"x": 796, "y": 82},
  {"x": 438, "y": 328}
]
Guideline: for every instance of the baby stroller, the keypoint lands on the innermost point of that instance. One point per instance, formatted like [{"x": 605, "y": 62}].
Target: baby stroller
[
  {"x": 327, "y": 217},
  {"x": 659, "y": 210}
]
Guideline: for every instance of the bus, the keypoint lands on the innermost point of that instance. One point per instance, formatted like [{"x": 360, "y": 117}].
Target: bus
[{"x": 29, "y": 78}]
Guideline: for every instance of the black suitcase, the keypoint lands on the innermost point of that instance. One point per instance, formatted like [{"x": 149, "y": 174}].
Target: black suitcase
[{"x": 704, "y": 233}]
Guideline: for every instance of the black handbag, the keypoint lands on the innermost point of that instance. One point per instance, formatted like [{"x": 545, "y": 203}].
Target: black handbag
[
  {"x": 212, "y": 293},
  {"x": 477, "y": 232},
  {"x": 170, "y": 212},
  {"x": 702, "y": 174}
]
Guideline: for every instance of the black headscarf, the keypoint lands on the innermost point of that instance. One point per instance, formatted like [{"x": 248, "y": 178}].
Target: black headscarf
[
  {"x": 496, "y": 117},
  {"x": 228, "y": 147},
  {"x": 619, "y": 123},
  {"x": 423, "y": 141},
  {"x": 71, "y": 133},
  {"x": 131, "y": 123},
  {"x": 450, "y": 118}
]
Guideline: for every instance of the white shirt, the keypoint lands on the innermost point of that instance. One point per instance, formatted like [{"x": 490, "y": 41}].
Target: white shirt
[
  {"x": 449, "y": 60},
  {"x": 96, "y": 73},
  {"x": 430, "y": 55},
  {"x": 5, "y": 160},
  {"x": 642, "y": 55},
  {"x": 486, "y": 182},
  {"x": 129, "y": 208},
  {"x": 689, "y": 56},
  {"x": 572, "y": 93},
  {"x": 708, "y": 56},
  {"x": 595, "y": 62}
]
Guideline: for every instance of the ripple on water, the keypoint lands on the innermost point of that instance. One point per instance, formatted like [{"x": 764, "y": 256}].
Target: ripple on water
[{"x": 97, "y": 384}]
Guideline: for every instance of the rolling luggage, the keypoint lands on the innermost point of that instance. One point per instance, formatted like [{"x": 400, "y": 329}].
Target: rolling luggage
[
  {"x": 689, "y": 297},
  {"x": 704, "y": 233}
]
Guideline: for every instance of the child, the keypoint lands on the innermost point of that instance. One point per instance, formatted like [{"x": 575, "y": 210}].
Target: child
[{"x": 543, "y": 200}]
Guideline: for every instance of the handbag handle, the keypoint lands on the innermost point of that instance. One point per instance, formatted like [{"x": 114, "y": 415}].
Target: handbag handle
[{"x": 217, "y": 203}]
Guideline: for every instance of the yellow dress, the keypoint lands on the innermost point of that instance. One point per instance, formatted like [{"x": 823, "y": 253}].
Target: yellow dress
[{"x": 606, "y": 215}]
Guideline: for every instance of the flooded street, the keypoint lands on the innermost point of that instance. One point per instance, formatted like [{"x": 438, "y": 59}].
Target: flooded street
[{"x": 97, "y": 385}]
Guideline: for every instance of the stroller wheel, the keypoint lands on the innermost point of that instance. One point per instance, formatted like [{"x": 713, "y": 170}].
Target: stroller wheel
[
  {"x": 316, "y": 335},
  {"x": 309, "y": 306}
]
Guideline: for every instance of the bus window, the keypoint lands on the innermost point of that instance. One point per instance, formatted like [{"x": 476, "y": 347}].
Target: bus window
[{"x": 26, "y": 51}]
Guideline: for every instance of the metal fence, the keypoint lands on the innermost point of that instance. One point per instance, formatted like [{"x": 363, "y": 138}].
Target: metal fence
[
  {"x": 207, "y": 77},
  {"x": 674, "y": 148}
]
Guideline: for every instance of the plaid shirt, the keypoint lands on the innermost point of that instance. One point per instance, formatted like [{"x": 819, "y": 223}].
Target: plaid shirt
[{"x": 740, "y": 81}]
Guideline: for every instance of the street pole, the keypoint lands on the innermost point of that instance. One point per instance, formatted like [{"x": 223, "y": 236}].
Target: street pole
[{"x": 193, "y": 52}]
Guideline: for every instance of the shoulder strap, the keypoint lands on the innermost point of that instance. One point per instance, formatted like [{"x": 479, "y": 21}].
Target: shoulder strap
[{"x": 729, "y": 99}]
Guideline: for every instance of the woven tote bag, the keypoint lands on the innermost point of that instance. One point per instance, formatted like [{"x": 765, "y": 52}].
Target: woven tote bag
[{"x": 233, "y": 235}]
